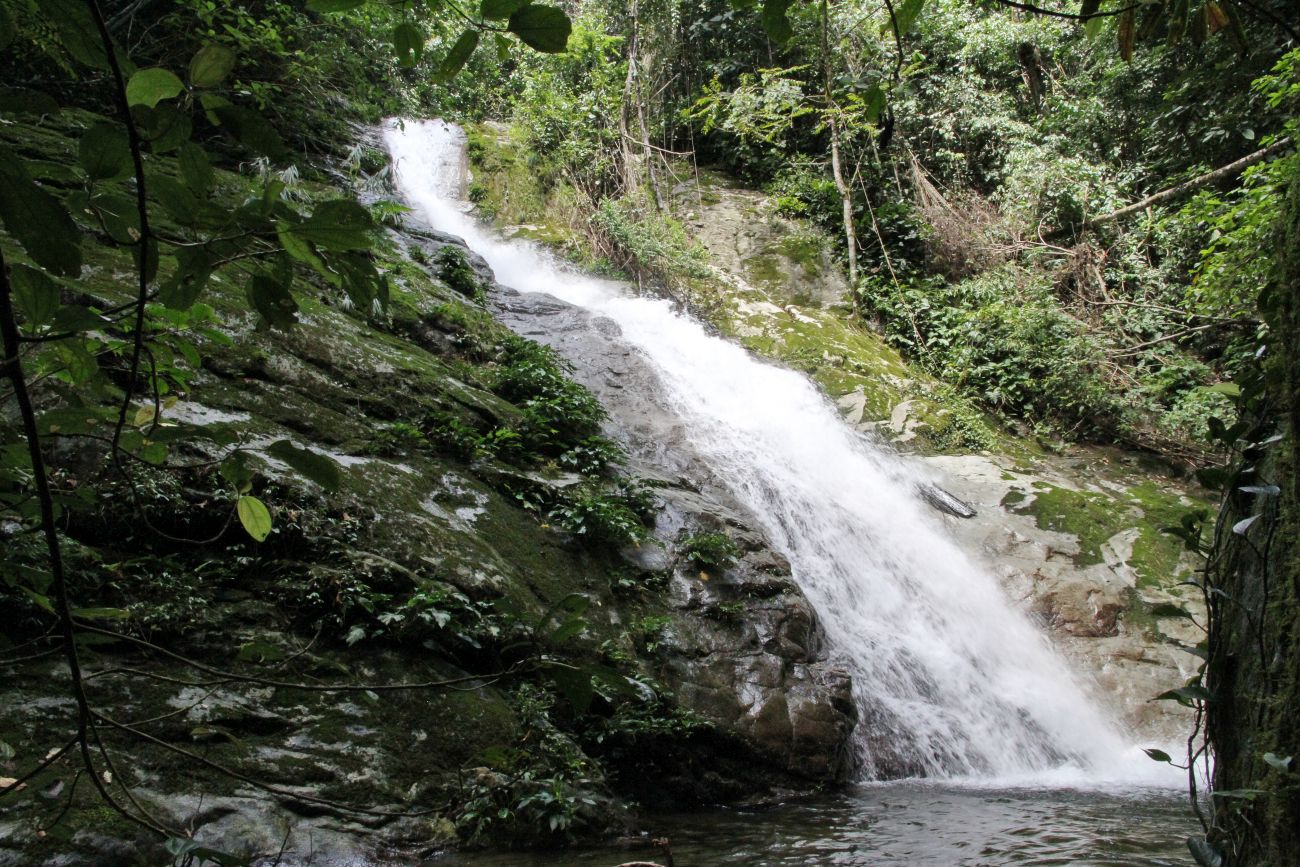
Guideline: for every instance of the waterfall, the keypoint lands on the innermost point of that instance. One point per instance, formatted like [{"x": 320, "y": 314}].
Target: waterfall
[{"x": 951, "y": 680}]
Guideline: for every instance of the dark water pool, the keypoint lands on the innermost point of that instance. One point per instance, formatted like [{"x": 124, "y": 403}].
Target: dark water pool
[{"x": 913, "y": 823}]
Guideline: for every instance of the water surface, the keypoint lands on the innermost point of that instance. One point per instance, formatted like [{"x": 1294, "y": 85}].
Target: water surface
[{"x": 912, "y": 823}]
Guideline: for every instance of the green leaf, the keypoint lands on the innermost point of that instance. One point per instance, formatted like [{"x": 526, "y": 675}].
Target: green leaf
[
  {"x": 1093, "y": 26},
  {"x": 500, "y": 10},
  {"x": 408, "y": 42},
  {"x": 250, "y": 129},
  {"x": 176, "y": 199},
  {"x": 542, "y": 28},
  {"x": 255, "y": 517},
  {"x": 20, "y": 100},
  {"x": 907, "y": 15},
  {"x": 78, "y": 34},
  {"x": 38, "y": 220},
  {"x": 458, "y": 56},
  {"x": 260, "y": 651},
  {"x": 210, "y": 65},
  {"x": 1168, "y": 609},
  {"x": 183, "y": 288},
  {"x": 101, "y": 613},
  {"x": 196, "y": 169},
  {"x": 575, "y": 686},
  {"x": 1231, "y": 389},
  {"x": 775, "y": 20},
  {"x": 235, "y": 469},
  {"x": 339, "y": 224},
  {"x": 1203, "y": 853},
  {"x": 35, "y": 295},
  {"x": 334, "y": 5},
  {"x": 73, "y": 317},
  {"x": 1158, "y": 755},
  {"x": 271, "y": 298},
  {"x": 103, "y": 151},
  {"x": 317, "y": 467},
  {"x": 1273, "y": 760},
  {"x": 874, "y": 101},
  {"x": 148, "y": 87},
  {"x": 7, "y": 31},
  {"x": 164, "y": 127},
  {"x": 1185, "y": 695}
]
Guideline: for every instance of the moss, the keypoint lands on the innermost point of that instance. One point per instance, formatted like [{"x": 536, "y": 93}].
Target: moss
[{"x": 1095, "y": 517}]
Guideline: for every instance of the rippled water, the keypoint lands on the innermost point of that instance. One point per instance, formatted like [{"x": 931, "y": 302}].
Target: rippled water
[{"x": 911, "y": 823}]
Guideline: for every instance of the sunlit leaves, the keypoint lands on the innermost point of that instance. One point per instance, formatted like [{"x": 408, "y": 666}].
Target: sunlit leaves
[
  {"x": 148, "y": 87},
  {"x": 542, "y": 28},
  {"x": 38, "y": 220}
]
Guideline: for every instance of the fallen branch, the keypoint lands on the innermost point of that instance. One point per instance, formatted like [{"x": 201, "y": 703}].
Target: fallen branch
[{"x": 1178, "y": 191}]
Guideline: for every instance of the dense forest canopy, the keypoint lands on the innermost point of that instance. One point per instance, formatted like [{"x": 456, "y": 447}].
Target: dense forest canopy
[{"x": 1066, "y": 214}]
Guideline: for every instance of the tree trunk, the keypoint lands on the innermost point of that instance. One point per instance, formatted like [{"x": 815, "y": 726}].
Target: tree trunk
[{"x": 837, "y": 168}]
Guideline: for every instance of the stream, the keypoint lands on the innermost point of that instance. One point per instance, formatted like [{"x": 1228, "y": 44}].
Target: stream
[{"x": 953, "y": 684}]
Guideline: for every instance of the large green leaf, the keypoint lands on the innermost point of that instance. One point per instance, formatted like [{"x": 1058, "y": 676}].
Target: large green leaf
[
  {"x": 339, "y": 224},
  {"x": 151, "y": 86},
  {"x": 907, "y": 15},
  {"x": 35, "y": 295},
  {"x": 104, "y": 152},
  {"x": 500, "y": 10},
  {"x": 775, "y": 21},
  {"x": 334, "y": 5},
  {"x": 196, "y": 169},
  {"x": 458, "y": 56},
  {"x": 38, "y": 220},
  {"x": 408, "y": 42},
  {"x": 164, "y": 127},
  {"x": 542, "y": 28},
  {"x": 78, "y": 34},
  {"x": 182, "y": 289},
  {"x": 320, "y": 469},
  {"x": 20, "y": 100},
  {"x": 272, "y": 299},
  {"x": 7, "y": 32},
  {"x": 250, "y": 128},
  {"x": 255, "y": 517},
  {"x": 210, "y": 65}
]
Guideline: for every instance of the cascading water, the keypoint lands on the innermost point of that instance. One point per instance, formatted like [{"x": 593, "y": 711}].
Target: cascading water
[{"x": 950, "y": 679}]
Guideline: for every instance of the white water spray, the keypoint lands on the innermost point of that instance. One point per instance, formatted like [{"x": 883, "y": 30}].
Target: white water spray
[{"x": 950, "y": 679}]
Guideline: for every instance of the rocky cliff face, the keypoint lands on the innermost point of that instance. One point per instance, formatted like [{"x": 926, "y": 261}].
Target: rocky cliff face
[{"x": 460, "y": 643}]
